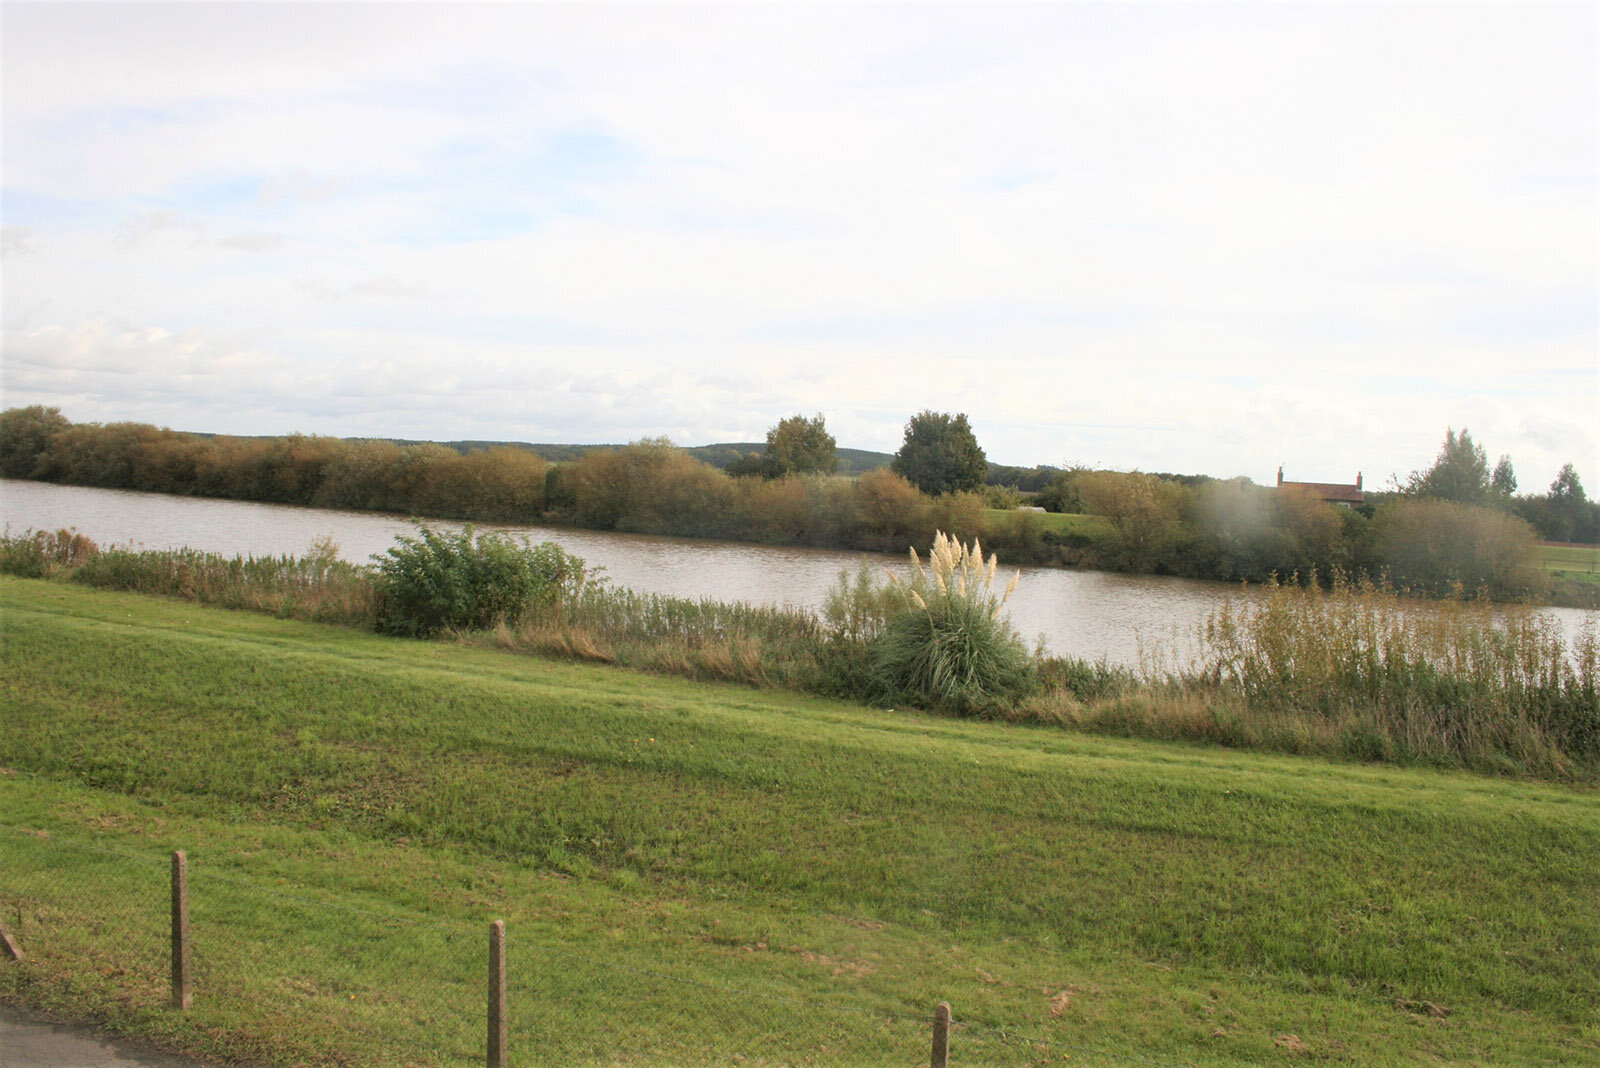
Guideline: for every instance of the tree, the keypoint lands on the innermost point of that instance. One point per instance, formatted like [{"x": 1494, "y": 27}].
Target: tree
[
  {"x": 1460, "y": 472},
  {"x": 940, "y": 454},
  {"x": 799, "y": 446},
  {"x": 1504, "y": 480},
  {"x": 1567, "y": 486},
  {"x": 26, "y": 435},
  {"x": 1568, "y": 513}
]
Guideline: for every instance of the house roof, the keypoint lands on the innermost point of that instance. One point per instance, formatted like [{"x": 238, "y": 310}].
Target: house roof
[{"x": 1327, "y": 491}]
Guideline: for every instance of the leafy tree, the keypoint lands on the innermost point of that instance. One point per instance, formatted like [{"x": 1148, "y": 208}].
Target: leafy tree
[
  {"x": 746, "y": 466},
  {"x": 1460, "y": 472},
  {"x": 1567, "y": 486},
  {"x": 25, "y": 435},
  {"x": 1567, "y": 513},
  {"x": 1504, "y": 480},
  {"x": 940, "y": 454},
  {"x": 799, "y": 446}
]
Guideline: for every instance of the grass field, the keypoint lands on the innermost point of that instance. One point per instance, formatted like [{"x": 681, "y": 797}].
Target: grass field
[
  {"x": 1580, "y": 562},
  {"x": 1057, "y": 522},
  {"x": 699, "y": 874}
]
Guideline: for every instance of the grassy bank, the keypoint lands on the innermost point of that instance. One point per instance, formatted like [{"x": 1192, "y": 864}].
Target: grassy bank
[
  {"x": 1355, "y": 671},
  {"x": 730, "y": 871}
]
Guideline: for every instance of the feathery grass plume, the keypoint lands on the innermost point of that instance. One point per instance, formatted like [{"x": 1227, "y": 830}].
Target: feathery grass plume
[{"x": 948, "y": 647}]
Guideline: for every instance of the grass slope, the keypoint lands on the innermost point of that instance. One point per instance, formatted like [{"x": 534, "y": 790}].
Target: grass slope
[
  {"x": 699, "y": 874},
  {"x": 1580, "y": 563}
]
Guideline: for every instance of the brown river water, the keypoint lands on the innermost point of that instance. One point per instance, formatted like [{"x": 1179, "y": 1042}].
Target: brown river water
[{"x": 1088, "y": 614}]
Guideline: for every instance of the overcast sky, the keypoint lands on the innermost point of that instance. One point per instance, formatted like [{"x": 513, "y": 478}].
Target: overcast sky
[{"x": 1188, "y": 238}]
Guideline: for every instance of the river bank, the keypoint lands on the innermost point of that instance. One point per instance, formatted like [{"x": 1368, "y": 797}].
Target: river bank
[
  {"x": 689, "y": 871},
  {"x": 1351, "y": 672}
]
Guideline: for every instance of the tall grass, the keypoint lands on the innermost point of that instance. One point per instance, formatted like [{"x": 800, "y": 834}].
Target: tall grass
[
  {"x": 44, "y": 553},
  {"x": 1455, "y": 680},
  {"x": 316, "y": 586},
  {"x": 705, "y": 639}
]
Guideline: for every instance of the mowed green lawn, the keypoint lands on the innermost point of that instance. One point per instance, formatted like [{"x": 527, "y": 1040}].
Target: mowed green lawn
[{"x": 698, "y": 874}]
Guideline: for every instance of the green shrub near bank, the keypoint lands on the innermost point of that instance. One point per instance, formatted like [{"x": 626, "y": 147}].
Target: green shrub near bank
[{"x": 469, "y": 580}]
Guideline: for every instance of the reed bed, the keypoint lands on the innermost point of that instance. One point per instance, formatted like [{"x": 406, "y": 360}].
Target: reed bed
[
  {"x": 317, "y": 586},
  {"x": 1457, "y": 679},
  {"x": 759, "y": 645}
]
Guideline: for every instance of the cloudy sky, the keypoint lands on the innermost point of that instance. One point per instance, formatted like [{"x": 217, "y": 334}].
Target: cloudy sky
[{"x": 1189, "y": 238}]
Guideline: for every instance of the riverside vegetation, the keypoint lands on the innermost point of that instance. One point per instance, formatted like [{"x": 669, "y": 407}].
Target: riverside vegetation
[
  {"x": 1346, "y": 671},
  {"x": 1478, "y": 536},
  {"x": 665, "y": 850}
]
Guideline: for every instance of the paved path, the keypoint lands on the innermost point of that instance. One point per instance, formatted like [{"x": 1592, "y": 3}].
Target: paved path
[{"x": 26, "y": 1041}]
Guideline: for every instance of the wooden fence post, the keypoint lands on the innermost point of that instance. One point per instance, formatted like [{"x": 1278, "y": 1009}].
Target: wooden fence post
[
  {"x": 941, "y": 1036},
  {"x": 9, "y": 944},
  {"x": 182, "y": 996},
  {"x": 497, "y": 994}
]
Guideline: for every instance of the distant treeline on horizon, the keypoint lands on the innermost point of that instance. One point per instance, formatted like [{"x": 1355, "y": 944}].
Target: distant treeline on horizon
[{"x": 1130, "y": 521}]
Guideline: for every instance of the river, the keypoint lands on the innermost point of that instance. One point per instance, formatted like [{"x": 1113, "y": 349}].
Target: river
[{"x": 1088, "y": 614}]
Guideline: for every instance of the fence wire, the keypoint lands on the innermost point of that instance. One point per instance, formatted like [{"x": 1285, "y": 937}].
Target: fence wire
[{"x": 294, "y": 976}]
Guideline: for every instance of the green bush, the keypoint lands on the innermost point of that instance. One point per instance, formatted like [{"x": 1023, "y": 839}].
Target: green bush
[
  {"x": 950, "y": 648},
  {"x": 1440, "y": 547},
  {"x": 466, "y": 581}
]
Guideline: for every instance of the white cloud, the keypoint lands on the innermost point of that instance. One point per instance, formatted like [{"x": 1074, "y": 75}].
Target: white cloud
[{"x": 1196, "y": 238}]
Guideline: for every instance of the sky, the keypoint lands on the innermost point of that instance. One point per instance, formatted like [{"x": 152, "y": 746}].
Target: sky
[{"x": 1194, "y": 238}]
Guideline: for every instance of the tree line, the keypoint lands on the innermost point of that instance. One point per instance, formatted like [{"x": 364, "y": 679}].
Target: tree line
[
  {"x": 650, "y": 486},
  {"x": 1441, "y": 532}
]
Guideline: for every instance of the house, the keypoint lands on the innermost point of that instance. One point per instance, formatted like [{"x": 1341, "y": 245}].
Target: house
[{"x": 1342, "y": 494}]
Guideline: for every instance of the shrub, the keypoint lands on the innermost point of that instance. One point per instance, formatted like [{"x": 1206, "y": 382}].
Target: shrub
[
  {"x": 776, "y": 511},
  {"x": 466, "y": 581},
  {"x": 949, "y": 648},
  {"x": 1144, "y": 512},
  {"x": 41, "y": 553},
  {"x": 885, "y": 512},
  {"x": 1001, "y": 497},
  {"x": 1438, "y": 547},
  {"x": 650, "y": 487}
]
